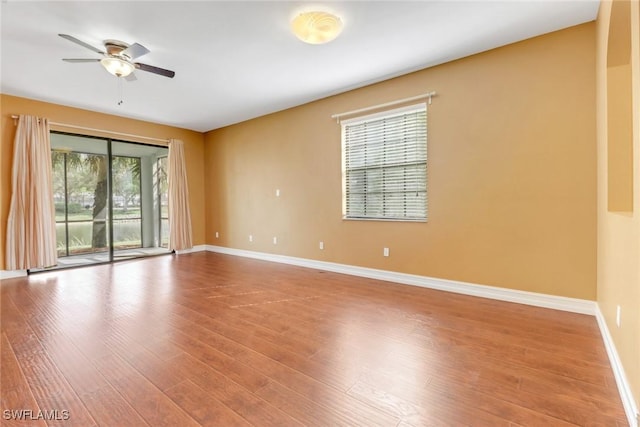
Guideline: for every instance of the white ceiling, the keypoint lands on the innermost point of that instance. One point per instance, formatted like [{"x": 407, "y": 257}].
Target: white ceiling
[{"x": 237, "y": 60}]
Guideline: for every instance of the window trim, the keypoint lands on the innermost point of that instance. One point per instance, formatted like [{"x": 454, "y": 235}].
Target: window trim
[{"x": 422, "y": 106}]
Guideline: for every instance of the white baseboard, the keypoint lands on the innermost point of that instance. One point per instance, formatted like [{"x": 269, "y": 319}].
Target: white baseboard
[
  {"x": 197, "y": 248},
  {"x": 522, "y": 297},
  {"x": 10, "y": 274},
  {"x": 622, "y": 382}
]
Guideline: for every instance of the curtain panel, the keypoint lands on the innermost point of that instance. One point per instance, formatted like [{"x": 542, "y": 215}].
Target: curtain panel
[
  {"x": 31, "y": 226},
  {"x": 179, "y": 211}
]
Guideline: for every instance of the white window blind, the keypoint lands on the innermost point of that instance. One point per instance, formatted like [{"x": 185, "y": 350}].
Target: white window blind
[{"x": 385, "y": 165}]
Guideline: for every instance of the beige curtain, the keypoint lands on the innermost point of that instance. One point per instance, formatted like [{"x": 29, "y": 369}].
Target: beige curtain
[
  {"x": 179, "y": 213},
  {"x": 31, "y": 227}
]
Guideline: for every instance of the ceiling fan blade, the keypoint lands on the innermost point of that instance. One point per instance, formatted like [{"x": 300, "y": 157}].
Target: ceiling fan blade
[
  {"x": 135, "y": 51},
  {"x": 81, "y": 43},
  {"x": 80, "y": 60},
  {"x": 155, "y": 70},
  {"x": 131, "y": 78}
]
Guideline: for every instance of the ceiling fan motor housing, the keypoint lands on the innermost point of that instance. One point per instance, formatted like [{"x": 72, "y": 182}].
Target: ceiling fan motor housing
[{"x": 115, "y": 48}]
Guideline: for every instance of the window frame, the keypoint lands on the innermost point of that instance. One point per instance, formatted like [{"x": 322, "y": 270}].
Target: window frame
[{"x": 396, "y": 112}]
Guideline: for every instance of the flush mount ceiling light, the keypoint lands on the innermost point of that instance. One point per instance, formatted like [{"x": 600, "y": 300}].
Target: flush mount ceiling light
[
  {"x": 316, "y": 27},
  {"x": 116, "y": 66}
]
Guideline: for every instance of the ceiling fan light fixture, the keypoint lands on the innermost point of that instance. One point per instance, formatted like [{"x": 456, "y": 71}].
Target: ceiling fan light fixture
[
  {"x": 316, "y": 27},
  {"x": 117, "y": 66}
]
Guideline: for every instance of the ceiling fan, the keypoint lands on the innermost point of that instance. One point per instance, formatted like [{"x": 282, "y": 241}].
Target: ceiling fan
[{"x": 118, "y": 58}]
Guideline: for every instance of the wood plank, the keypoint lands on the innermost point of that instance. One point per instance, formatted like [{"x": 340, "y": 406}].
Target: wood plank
[
  {"x": 47, "y": 384},
  {"x": 231, "y": 368},
  {"x": 436, "y": 410},
  {"x": 254, "y": 351},
  {"x": 15, "y": 393},
  {"x": 204, "y": 408},
  {"x": 307, "y": 411},
  {"x": 99, "y": 397},
  {"x": 246, "y": 404},
  {"x": 110, "y": 408},
  {"x": 152, "y": 404}
]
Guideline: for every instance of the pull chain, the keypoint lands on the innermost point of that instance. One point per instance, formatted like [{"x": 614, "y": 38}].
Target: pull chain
[{"x": 120, "y": 102}]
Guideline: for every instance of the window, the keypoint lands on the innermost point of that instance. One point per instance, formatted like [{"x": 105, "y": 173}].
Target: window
[{"x": 385, "y": 165}]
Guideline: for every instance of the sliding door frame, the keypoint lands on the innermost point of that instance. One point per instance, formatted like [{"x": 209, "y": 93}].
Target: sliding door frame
[{"x": 109, "y": 222}]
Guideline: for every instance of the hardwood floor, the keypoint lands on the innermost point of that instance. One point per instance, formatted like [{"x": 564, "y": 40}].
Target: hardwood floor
[{"x": 210, "y": 339}]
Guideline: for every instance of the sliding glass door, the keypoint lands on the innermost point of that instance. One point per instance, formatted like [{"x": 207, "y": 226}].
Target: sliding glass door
[
  {"x": 109, "y": 198},
  {"x": 80, "y": 186}
]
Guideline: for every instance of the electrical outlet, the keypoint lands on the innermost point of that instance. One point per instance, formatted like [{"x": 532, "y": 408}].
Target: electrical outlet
[
  {"x": 385, "y": 252},
  {"x": 321, "y": 245},
  {"x": 618, "y": 315},
  {"x": 275, "y": 240},
  {"x": 217, "y": 234},
  {"x": 251, "y": 237}
]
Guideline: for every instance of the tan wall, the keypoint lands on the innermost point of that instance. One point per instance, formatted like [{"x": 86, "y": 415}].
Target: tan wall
[
  {"x": 512, "y": 174},
  {"x": 619, "y": 233},
  {"x": 194, "y": 150}
]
